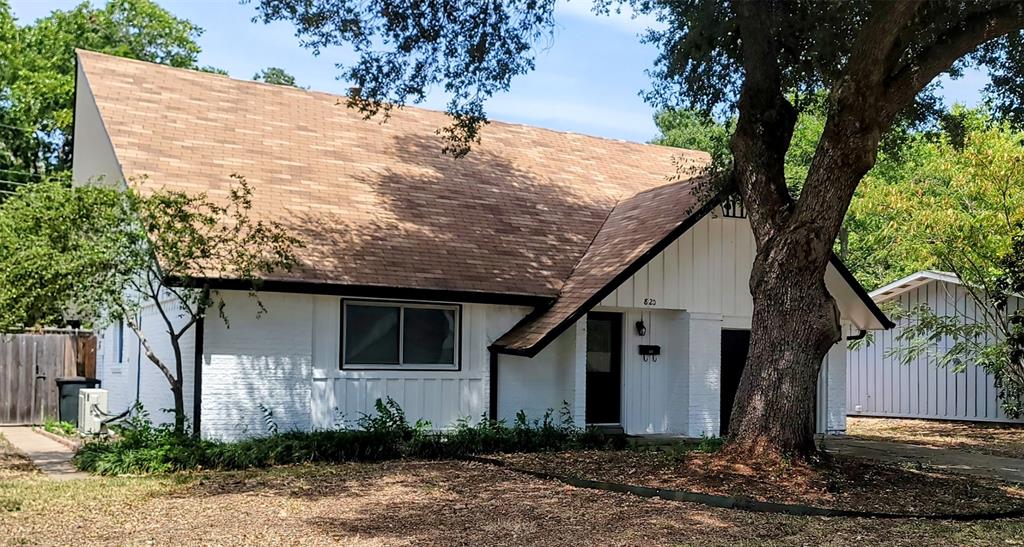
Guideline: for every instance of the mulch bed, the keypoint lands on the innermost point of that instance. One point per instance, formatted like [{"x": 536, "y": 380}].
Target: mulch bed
[{"x": 840, "y": 483}]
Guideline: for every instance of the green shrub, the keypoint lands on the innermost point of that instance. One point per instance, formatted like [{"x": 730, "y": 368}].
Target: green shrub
[
  {"x": 141, "y": 448},
  {"x": 710, "y": 445},
  {"x": 66, "y": 429}
]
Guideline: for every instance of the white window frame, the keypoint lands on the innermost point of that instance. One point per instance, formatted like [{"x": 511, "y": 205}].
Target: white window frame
[
  {"x": 119, "y": 342},
  {"x": 402, "y": 306}
]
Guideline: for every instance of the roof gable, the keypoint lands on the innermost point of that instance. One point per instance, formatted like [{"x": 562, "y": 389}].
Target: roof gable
[
  {"x": 910, "y": 282},
  {"x": 637, "y": 229}
]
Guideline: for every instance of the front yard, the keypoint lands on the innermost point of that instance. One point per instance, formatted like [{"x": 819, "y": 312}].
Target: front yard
[
  {"x": 994, "y": 439},
  {"x": 408, "y": 502}
]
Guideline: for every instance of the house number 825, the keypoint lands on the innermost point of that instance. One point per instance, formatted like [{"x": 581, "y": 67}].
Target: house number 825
[{"x": 650, "y": 302}]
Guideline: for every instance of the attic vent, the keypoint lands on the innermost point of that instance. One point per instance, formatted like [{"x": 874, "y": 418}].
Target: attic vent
[{"x": 732, "y": 207}]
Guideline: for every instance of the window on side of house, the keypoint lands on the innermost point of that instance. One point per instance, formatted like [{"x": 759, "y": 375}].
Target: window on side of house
[
  {"x": 119, "y": 340},
  {"x": 399, "y": 335}
]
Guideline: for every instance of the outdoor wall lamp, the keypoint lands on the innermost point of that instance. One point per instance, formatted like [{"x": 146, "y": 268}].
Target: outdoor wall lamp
[{"x": 641, "y": 329}]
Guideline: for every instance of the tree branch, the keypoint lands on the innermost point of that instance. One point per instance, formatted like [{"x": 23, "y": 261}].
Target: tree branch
[
  {"x": 947, "y": 48},
  {"x": 765, "y": 124},
  {"x": 150, "y": 354}
]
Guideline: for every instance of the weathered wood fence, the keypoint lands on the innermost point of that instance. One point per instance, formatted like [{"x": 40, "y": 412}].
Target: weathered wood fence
[{"x": 29, "y": 367}]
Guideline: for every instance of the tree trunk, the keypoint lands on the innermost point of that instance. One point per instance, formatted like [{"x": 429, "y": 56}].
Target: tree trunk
[
  {"x": 795, "y": 323},
  {"x": 179, "y": 407}
]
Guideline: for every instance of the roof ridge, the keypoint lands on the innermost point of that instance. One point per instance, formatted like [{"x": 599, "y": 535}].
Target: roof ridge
[{"x": 195, "y": 72}]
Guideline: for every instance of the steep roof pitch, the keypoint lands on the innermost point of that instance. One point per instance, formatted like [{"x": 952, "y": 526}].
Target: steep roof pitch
[
  {"x": 637, "y": 229},
  {"x": 377, "y": 204}
]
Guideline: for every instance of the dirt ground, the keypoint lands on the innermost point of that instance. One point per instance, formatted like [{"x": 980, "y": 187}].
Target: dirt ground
[
  {"x": 406, "y": 503},
  {"x": 978, "y": 437},
  {"x": 844, "y": 483}
]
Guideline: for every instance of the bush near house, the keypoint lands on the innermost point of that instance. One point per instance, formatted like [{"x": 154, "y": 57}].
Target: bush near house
[
  {"x": 141, "y": 448},
  {"x": 64, "y": 429}
]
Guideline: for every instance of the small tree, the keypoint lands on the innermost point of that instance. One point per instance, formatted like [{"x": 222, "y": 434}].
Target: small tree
[
  {"x": 993, "y": 341},
  {"x": 108, "y": 254},
  {"x": 275, "y": 75}
]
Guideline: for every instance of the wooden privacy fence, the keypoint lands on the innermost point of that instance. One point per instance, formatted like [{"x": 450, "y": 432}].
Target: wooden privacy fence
[{"x": 29, "y": 367}]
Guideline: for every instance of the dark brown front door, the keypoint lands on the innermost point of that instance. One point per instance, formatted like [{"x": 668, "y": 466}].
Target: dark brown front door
[
  {"x": 604, "y": 368},
  {"x": 735, "y": 344}
]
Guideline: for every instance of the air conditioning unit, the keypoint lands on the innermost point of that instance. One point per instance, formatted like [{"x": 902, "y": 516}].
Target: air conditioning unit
[{"x": 92, "y": 408}]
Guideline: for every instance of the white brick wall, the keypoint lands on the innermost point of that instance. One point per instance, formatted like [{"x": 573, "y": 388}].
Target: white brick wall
[
  {"x": 258, "y": 360},
  {"x": 538, "y": 384},
  {"x": 704, "y": 341},
  {"x": 835, "y": 387}
]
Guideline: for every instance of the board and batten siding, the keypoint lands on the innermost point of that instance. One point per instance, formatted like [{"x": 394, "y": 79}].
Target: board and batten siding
[
  {"x": 706, "y": 270},
  {"x": 284, "y": 366},
  {"x": 878, "y": 385}
]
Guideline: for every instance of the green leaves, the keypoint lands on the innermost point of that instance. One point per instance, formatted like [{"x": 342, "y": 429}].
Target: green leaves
[
  {"x": 37, "y": 73},
  {"x": 276, "y": 76},
  {"x": 471, "y": 50},
  {"x": 104, "y": 252},
  {"x": 63, "y": 250}
]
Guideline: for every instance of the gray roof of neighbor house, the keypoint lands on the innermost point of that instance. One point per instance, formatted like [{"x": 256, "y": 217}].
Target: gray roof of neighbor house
[{"x": 548, "y": 218}]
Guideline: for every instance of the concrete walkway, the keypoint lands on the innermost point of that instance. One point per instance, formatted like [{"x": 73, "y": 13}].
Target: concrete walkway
[
  {"x": 50, "y": 456},
  {"x": 952, "y": 460}
]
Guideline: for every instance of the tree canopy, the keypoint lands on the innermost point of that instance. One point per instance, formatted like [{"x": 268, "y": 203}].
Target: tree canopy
[
  {"x": 37, "y": 74},
  {"x": 276, "y": 76},
  {"x": 103, "y": 253}
]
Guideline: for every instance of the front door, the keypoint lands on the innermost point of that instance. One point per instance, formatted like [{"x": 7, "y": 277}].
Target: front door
[
  {"x": 604, "y": 368},
  {"x": 735, "y": 344}
]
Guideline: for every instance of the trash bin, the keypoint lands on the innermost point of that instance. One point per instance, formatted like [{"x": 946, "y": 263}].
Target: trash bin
[{"x": 67, "y": 396}]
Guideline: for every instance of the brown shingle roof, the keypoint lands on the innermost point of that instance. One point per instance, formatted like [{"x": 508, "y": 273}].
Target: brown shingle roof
[{"x": 377, "y": 203}]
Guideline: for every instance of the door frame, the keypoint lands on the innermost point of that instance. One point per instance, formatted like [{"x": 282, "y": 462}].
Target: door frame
[{"x": 618, "y": 345}]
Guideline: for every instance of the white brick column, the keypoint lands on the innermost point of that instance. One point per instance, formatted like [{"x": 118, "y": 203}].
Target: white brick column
[
  {"x": 579, "y": 374},
  {"x": 704, "y": 357}
]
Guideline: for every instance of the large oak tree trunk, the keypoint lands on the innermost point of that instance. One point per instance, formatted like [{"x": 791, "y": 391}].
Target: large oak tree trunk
[{"x": 795, "y": 323}]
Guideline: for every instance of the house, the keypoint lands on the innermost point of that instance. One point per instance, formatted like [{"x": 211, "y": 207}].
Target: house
[
  {"x": 878, "y": 384},
  {"x": 545, "y": 269}
]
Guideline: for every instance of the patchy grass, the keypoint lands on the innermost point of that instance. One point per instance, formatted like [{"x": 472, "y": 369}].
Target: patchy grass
[
  {"x": 14, "y": 464},
  {"x": 64, "y": 429},
  {"x": 407, "y": 503},
  {"x": 978, "y": 437}
]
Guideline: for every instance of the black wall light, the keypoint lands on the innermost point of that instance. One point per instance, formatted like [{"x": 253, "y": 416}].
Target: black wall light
[{"x": 641, "y": 329}]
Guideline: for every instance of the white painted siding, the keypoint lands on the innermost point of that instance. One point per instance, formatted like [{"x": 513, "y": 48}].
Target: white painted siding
[
  {"x": 707, "y": 270},
  {"x": 94, "y": 159},
  {"x": 288, "y": 362},
  {"x": 122, "y": 380},
  {"x": 441, "y": 397},
  {"x": 880, "y": 386}
]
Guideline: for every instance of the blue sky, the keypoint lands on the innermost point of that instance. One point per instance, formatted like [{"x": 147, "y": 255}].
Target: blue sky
[{"x": 587, "y": 80}]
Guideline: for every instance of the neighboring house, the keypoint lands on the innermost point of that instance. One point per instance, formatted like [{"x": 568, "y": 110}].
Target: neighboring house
[
  {"x": 878, "y": 384},
  {"x": 544, "y": 268}
]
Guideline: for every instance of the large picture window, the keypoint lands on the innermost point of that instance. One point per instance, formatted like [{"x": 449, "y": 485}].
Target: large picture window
[{"x": 399, "y": 335}]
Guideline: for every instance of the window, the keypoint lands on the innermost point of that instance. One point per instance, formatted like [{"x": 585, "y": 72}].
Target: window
[
  {"x": 119, "y": 340},
  {"x": 393, "y": 335}
]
